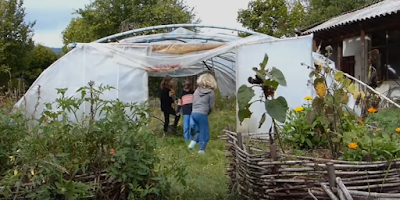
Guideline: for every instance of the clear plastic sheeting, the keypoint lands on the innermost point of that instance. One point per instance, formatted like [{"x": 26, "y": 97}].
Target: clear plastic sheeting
[{"x": 126, "y": 67}]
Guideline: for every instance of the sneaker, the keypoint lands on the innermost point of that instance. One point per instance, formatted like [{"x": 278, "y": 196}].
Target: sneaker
[
  {"x": 192, "y": 144},
  {"x": 201, "y": 152}
]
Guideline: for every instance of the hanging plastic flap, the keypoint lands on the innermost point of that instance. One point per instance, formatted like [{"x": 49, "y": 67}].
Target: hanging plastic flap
[
  {"x": 157, "y": 62},
  {"x": 285, "y": 54}
]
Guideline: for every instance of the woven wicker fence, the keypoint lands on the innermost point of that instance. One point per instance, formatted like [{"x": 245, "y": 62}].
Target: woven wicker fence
[{"x": 269, "y": 174}]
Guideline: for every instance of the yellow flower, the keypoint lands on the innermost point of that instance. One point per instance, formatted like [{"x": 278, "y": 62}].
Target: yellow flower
[
  {"x": 299, "y": 109},
  {"x": 398, "y": 130},
  {"x": 371, "y": 110},
  {"x": 377, "y": 130},
  {"x": 345, "y": 115},
  {"x": 308, "y": 98},
  {"x": 15, "y": 172},
  {"x": 353, "y": 145}
]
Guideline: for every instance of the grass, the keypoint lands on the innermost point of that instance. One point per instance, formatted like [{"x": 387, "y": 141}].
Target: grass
[{"x": 205, "y": 173}]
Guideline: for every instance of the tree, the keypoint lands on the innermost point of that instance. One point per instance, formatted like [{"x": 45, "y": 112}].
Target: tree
[
  {"x": 40, "y": 58},
  {"x": 106, "y": 17},
  {"x": 15, "y": 38},
  {"x": 272, "y": 17}
]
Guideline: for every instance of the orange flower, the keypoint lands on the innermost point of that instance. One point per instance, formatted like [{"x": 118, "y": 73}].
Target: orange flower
[
  {"x": 345, "y": 115},
  {"x": 112, "y": 151},
  {"x": 377, "y": 130},
  {"x": 398, "y": 130},
  {"x": 372, "y": 110},
  {"x": 353, "y": 145}
]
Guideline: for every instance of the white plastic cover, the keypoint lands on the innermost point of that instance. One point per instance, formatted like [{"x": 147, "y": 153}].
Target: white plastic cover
[
  {"x": 286, "y": 55},
  {"x": 125, "y": 67}
]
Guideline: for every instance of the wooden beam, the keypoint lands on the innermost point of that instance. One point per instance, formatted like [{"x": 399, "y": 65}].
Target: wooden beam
[
  {"x": 339, "y": 56},
  {"x": 315, "y": 47},
  {"x": 363, "y": 67}
]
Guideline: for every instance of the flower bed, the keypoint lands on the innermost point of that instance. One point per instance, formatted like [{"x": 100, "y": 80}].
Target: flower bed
[
  {"x": 270, "y": 174},
  {"x": 350, "y": 150}
]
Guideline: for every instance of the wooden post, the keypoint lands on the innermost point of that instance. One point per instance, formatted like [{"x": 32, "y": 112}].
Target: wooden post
[
  {"x": 363, "y": 67},
  {"x": 339, "y": 56},
  {"x": 314, "y": 45},
  {"x": 240, "y": 140},
  {"x": 331, "y": 175},
  {"x": 274, "y": 156}
]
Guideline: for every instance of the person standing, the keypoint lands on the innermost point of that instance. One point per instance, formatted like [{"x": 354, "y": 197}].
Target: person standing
[
  {"x": 166, "y": 101},
  {"x": 203, "y": 104},
  {"x": 186, "y": 104}
]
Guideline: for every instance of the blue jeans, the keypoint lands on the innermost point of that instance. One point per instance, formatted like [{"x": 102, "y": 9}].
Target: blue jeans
[
  {"x": 202, "y": 129},
  {"x": 187, "y": 127}
]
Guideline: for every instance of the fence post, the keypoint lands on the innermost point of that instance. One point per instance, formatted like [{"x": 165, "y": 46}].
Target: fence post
[
  {"x": 274, "y": 157},
  {"x": 240, "y": 140},
  {"x": 331, "y": 174}
]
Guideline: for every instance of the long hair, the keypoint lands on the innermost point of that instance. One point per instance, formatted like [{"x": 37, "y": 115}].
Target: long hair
[
  {"x": 166, "y": 82},
  {"x": 207, "y": 81},
  {"x": 187, "y": 86}
]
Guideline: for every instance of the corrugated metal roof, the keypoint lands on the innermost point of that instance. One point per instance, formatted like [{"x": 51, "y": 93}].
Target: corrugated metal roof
[{"x": 383, "y": 8}]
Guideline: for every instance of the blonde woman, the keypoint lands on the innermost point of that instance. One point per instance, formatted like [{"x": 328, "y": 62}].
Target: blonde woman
[{"x": 203, "y": 104}]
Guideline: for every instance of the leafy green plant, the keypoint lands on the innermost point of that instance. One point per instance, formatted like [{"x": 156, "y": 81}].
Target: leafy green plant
[
  {"x": 61, "y": 156},
  {"x": 268, "y": 80},
  {"x": 369, "y": 144},
  {"x": 299, "y": 132}
]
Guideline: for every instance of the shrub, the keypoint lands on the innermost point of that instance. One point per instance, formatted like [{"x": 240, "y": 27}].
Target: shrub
[{"x": 65, "y": 157}]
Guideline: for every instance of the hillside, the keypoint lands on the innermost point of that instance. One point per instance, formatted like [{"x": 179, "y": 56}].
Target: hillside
[{"x": 56, "y": 50}]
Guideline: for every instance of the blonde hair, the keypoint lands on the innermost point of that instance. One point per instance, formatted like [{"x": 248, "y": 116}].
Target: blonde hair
[{"x": 207, "y": 81}]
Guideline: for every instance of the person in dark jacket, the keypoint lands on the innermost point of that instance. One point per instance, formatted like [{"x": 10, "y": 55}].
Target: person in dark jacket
[
  {"x": 186, "y": 104},
  {"x": 167, "y": 101}
]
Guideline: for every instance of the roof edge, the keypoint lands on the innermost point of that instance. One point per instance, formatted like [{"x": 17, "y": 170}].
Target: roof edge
[{"x": 304, "y": 30}]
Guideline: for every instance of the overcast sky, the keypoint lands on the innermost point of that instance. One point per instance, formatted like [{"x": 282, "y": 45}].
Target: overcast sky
[{"x": 52, "y": 16}]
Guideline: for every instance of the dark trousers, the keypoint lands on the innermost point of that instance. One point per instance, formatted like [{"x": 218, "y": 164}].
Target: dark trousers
[{"x": 167, "y": 113}]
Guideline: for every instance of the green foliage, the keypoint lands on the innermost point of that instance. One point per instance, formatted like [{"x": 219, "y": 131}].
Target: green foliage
[
  {"x": 327, "y": 122},
  {"x": 272, "y": 17},
  {"x": 15, "y": 38},
  {"x": 300, "y": 133},
  {"x": 57, "y": 153},
  {"x": 40, "y": 58},
  {"x": 102, "y": 18},
  {"x": 375, "y": 143},
  {"x": 268, "y": 80}
]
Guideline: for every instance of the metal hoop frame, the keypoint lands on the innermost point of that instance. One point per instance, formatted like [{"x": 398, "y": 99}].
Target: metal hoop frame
[{"x": 134, "y": 31}]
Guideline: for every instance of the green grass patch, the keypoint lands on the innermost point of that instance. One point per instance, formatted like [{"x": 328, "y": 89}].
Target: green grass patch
[{"x": 205, "y": 177}]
